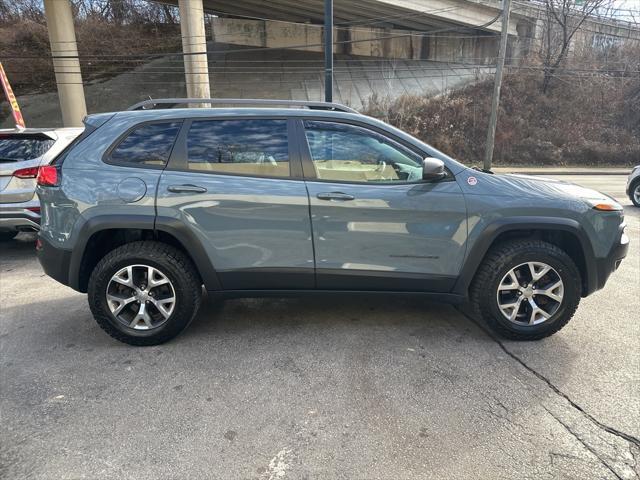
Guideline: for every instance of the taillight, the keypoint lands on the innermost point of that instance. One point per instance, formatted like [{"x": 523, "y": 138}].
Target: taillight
[
  {"x": 31, "y": 172},
  {"x": 48, "y": 176}
]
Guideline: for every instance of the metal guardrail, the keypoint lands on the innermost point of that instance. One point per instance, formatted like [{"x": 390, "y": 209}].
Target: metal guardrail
[{"x": 152, "y": 104}]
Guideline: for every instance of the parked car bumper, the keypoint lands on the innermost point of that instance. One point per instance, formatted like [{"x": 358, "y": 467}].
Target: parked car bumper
[{"x": 20, "y": 216}]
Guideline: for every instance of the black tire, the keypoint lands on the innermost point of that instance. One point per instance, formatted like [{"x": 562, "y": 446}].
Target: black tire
[
  {"x": 174, "y": 264},
  {"x": 7, "y": 236},
  {"x": 635, "y": 185},
  {"x": 506, "y": 256}
]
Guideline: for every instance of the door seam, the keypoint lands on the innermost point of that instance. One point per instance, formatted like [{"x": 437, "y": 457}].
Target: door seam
[{"x": 313, "y": 239}]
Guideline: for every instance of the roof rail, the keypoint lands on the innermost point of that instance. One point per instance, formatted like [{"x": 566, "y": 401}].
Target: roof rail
[{"x": 171, "y": 102}]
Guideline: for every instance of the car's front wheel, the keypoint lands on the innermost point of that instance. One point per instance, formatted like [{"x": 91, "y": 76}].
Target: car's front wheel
[
  {"x": 634, "y": 193},
  {"x": 144, "y": 293},
  {"x": 526, "y": 289}
]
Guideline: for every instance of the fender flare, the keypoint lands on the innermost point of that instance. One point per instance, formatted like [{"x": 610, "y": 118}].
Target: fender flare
[
  {"x": 492, "y": 231},
  {"x": 194, "y": 248},
  {"x": 187, "y": 239}
]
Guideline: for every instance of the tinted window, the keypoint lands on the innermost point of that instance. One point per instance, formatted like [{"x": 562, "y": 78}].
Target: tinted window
[
  {"x": 242, "y": 147},
  {"x": 16, "y": 148},
  {"x": 342, "y": 152},
  {"x": 147, "y": 145}
]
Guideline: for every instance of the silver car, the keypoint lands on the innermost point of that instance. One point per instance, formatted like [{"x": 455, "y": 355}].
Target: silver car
[
  {"x": 22, "y": 153},
  {"x": 633, "y": 186}
]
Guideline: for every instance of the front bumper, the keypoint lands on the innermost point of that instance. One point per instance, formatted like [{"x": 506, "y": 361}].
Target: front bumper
[
  {"x": 606, "y": 266},
  {"x": 55, "y": 261},
  {"x": 20, "y": 216}
]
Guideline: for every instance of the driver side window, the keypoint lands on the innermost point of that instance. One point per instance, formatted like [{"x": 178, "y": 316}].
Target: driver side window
[{"x": 347, "y": 153}]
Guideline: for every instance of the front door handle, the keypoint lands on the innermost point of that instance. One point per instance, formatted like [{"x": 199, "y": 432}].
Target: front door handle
[
  {"x": 186, "y": 189},
  {"x": 339, "y": 196}
]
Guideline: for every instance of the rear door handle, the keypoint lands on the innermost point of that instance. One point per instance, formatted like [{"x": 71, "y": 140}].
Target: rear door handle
[
  {"x": 335, "y": 196},
  {"x": 186, "y": 189}
]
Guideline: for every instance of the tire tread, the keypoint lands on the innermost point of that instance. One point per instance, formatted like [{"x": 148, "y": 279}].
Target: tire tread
[
  {"x": 490, "y": 267},
  {"x": 160, "y": 252}
]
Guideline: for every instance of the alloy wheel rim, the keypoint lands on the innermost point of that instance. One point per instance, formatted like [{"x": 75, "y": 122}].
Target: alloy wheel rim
[
  {"x": 530, "y": 293},
  {"x": 636, "y": 193},
  {"x": 141, "y": 297}
]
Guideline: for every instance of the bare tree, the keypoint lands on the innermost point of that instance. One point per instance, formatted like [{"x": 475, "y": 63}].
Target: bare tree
[
  {"x": 563, "y": 19},
  {"x": 31, "y": 10}
]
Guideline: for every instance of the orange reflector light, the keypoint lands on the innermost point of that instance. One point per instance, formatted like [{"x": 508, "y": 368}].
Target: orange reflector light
[{"x": 607, "y": 207}]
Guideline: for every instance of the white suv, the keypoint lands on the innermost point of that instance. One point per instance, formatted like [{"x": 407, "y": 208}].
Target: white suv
[{"x": 22, "y": 153}]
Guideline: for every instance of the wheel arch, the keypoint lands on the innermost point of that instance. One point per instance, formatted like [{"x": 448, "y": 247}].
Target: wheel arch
[
  {"x": 563, "y": 232},
  {"x": 100, "y": 235}
]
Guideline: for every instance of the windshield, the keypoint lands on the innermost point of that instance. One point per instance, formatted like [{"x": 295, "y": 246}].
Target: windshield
[{"x": 19, "y": 147}]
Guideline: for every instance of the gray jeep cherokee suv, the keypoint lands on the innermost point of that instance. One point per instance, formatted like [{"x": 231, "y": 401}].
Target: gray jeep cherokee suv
[{"x": 151, "y": 204}]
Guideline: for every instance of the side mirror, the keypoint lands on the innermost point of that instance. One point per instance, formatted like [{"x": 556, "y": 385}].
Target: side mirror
[{"x": 433, "y": 169}]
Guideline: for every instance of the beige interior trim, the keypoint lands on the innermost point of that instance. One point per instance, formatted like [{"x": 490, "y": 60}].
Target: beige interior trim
[
  {"x": 280, "y": 169},
  {"x": 353, "y": 170}
]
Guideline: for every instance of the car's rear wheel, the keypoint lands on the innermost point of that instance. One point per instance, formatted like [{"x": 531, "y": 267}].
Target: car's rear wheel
[
  {"x": 144, "y": 293},
  {"x": 526, "y": 289},
  {"x": 8, "y": 235},
  {"x": 634, "y": 193}
]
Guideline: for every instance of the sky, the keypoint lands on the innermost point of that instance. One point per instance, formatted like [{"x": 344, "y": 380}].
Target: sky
[{"x": 633, "y": 5}]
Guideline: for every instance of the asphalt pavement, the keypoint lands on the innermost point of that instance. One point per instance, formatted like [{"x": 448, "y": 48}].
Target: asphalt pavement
[{"x": 356, "y": 388}]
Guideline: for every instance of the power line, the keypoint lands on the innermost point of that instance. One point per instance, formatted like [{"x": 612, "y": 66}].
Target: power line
[
  {"x": 307, "y": 70},
  {"x": 380, "y": 79}
]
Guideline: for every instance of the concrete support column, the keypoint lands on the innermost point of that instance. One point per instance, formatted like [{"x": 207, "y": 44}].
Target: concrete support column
[
  {"x": 62, "y": 37},
  {"x": 194, "y": 40}
]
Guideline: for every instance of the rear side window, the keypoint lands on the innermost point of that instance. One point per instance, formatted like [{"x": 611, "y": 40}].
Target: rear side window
[
  {"x": 239, "y": 147},
  {"x": 148, "y": 145},
  {"x": 20, "y": 147}
]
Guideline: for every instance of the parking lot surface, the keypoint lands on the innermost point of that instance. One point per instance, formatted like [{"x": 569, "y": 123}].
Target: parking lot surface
[{"x": 376, "y": 387}]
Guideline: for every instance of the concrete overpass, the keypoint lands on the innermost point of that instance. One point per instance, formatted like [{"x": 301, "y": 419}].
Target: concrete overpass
[
  {"x": 404, "y": 14},
  {"x": 449, "y": 31}
]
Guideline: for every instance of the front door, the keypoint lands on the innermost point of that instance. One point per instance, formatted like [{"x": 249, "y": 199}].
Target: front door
[
  {"x": 376, "y": 224},
  {"x": 237, "y": 185}
]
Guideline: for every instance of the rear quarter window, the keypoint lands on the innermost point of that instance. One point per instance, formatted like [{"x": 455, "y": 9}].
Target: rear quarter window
[
  {"x": 147, "y": 145},
  {"x": 20, "y": 147}
]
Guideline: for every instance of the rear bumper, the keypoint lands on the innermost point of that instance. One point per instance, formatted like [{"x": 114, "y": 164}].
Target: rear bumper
[
  {"x": 55, "y": 261},
  {"x": 19, "y": 217}
]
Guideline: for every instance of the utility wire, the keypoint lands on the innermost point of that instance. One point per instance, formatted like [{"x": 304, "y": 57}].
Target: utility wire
[{"x": 452, "y": 67}]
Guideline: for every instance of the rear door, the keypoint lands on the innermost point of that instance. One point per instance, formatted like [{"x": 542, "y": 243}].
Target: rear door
[
  {"x": 236, "y": 184},
  {"x": 376, "y": 224},
  {"x": 21, "y": 153}
]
